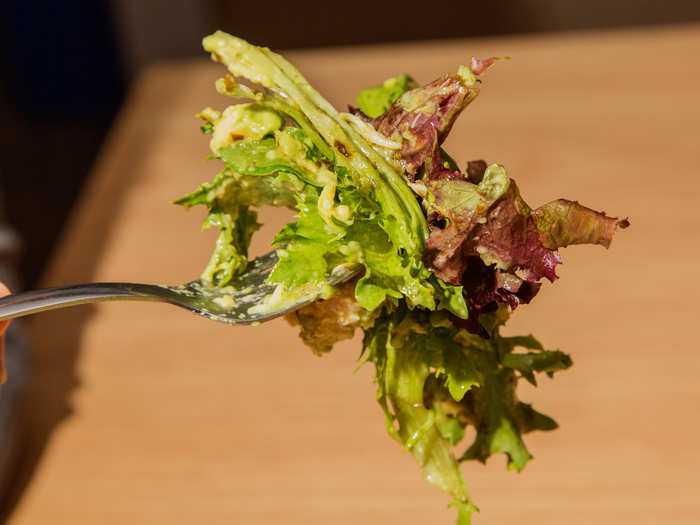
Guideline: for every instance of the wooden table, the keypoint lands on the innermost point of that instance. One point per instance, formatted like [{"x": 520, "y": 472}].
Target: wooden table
[{"x": 145, "y": 414}]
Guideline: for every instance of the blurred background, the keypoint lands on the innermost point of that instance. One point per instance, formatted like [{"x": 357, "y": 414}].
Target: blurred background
[{"x": 66, "y": 67}]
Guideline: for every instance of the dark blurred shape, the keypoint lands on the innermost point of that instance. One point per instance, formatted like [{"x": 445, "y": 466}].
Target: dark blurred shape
[
  {"x": 60, "y": 88},
  {"x": 157, "y": 30},
  {"x": 17, "y": 360},
  {"x": 64, "y": 68},
  {"x": 323, "y": 23},
  {"x": 160, "y": 29}
]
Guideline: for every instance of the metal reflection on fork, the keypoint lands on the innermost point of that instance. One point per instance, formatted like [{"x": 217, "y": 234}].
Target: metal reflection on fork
[{"x": 238, "y": 303}]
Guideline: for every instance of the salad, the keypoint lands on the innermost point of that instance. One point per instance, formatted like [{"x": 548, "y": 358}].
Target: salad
[{"x": 447, "y": 252}]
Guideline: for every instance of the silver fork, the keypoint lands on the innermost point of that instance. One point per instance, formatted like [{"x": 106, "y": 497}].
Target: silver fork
[{"x": 242, "y": 302}]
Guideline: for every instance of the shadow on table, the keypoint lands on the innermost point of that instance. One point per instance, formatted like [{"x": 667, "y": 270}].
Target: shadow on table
[
  {"x": 48, "y": 402},
  {"x": 57, "y": 336}
]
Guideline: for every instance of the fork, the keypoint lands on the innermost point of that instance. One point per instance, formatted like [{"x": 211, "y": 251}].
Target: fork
[{"x": 242, "y": 302}]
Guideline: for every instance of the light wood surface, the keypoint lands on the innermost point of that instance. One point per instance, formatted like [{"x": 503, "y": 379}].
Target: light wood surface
[{"x": 145, "y": 414}]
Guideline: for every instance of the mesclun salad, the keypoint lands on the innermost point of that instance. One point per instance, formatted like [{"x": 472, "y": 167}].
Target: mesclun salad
[{"x": 447, "y": 253}]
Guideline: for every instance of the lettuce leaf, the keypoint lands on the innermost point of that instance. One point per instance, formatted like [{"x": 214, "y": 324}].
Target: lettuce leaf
[
  {"x": 446, "y": 254},
  {"x": 374, "y": 101},
  {"x": 483, "y": 236},
  {"x": 420, "y": 120},
  {"x": 435, "y": 380},
  {"x": 563, "y": 222},
  {"x": 366, "y": 171}
]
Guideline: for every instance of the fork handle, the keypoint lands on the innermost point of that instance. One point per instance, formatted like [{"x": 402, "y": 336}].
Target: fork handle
[{"x": 26, "y": 303}]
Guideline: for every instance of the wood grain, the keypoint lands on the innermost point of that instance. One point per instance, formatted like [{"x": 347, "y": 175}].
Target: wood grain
[{"x": 145, "y": 414}]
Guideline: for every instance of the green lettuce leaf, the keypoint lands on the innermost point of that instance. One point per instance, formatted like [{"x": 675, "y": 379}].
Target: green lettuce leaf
[
  {"x": 305, "y": 246},
  {"x": 402, "y": 372},
  {"x": 374, "y": 101},
  {"x": 400, "y": 215},
  {"x": 230, "y": 257},
  {"x": 434, "y": 380},
  {"x": 229, "y": 198},
  {"x": 262, "y": 158}
]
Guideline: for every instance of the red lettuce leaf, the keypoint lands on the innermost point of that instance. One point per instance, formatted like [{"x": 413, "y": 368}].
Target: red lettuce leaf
[
  {"x": 509, "y": 238},
  {"x": 483, "y": 235},
  {"x": 478, "y": 65},
  {"x": 421, "y": 119}
]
